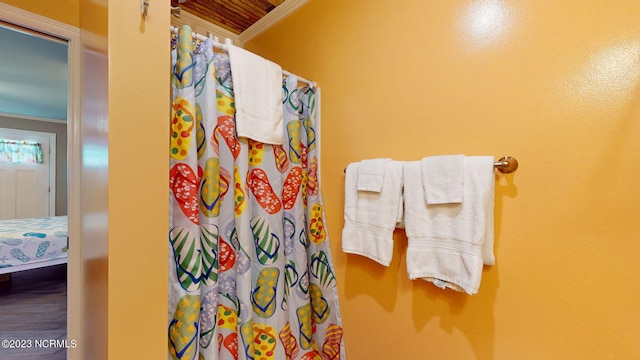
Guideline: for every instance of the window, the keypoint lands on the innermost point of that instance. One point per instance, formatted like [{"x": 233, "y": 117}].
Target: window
[{"x": 20, "y": 151}]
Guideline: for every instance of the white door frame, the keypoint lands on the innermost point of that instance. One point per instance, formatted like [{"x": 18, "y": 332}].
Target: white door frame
[{"x": 75, "y": 273}]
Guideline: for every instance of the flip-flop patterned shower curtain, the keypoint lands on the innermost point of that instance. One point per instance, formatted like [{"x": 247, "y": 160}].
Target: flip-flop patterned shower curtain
[{"x": 251, "y": 274}]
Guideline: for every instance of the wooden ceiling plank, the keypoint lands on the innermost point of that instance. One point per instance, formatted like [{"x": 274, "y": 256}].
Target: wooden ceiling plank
[
  {"x": 263, "y": 5},
  {"x": 233, "y": 15},
  {"x": 219, "y": 14},
  {"x": 248, "y": 12}
]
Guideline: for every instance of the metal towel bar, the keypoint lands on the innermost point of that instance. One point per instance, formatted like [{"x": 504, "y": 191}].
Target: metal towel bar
[{"x": 506, "y": 164}]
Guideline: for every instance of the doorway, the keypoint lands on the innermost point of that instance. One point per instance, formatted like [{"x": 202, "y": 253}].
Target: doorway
[{"x": 68, "y": 159}]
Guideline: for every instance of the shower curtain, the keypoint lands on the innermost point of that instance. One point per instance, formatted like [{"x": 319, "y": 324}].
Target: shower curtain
[{"x": 251, "y": 275}]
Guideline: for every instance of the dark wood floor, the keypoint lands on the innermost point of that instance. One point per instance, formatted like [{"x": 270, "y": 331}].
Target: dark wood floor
[{"x": 33, "y": 314}]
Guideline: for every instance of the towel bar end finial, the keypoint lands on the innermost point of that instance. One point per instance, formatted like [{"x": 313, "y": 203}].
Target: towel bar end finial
[{"x": 507, "y": 164}]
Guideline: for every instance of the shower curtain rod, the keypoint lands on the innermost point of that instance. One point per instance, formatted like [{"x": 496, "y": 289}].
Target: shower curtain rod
[{"x": 220, "y": 46}]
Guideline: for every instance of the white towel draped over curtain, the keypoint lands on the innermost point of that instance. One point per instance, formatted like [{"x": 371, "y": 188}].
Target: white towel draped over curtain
[{"x": 251, "y": 275}]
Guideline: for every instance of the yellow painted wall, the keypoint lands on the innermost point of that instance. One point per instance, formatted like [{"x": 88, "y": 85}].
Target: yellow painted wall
[
  {"x": 65, "y": 11},
  {"x": 139, "y": 64},
  {"x": 553, "y": 83},
  {"x": 125, "y": 97}
]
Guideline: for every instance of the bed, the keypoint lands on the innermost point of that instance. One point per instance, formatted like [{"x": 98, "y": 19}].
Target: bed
[{"x": 33, "y": 243}]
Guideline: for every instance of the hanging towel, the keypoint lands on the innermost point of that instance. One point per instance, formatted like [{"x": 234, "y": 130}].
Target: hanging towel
[
  {"x": 446, "y": 242},
  {"x": 371, "y": 174},
  {"x": 257, "y": 86},
  {"x": 488, "y": 258},
  {"x": 369, "y": 217},
  {"x": 443, "y": 179}
]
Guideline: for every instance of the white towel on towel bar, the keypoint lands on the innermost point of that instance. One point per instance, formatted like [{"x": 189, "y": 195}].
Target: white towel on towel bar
[
  {"x": 443, "y": 179},
  {"x": 446, "y": 242},
  {"x": 257, "y": 87},
  {"x": 370, "y": 217},
  {"x": 371, "y": 174}
]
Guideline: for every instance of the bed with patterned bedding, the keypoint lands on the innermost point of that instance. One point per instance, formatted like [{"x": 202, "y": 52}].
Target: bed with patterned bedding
[{"x": 32, "y": 243}]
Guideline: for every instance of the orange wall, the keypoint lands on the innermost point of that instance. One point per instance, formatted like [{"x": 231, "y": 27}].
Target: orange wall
[
  {"x": 553, "y": 83},
  {"x": 138, "y": 176},
  {"x": 65, "y": 11},
  {"x": 125, "y": 93}
]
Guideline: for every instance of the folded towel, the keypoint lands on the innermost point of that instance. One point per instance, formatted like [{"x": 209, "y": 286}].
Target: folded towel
[
  {"x": 443, "y": 179},
  {"x": 369, "y": 217},
  {"x": 257, "y": 86},
  {"x": 446, "y": 242},
  {"x": 371, "y": 174}
]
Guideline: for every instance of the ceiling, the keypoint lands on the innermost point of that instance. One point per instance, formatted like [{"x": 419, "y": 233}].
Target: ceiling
[
  {"x": 235, "y": 16},
  {"x": 233, "y": 19},
  {"x": 33, "y": 75}
]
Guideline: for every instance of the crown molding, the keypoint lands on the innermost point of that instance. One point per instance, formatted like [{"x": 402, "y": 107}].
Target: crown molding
[{"x": 34, "y": 118}]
